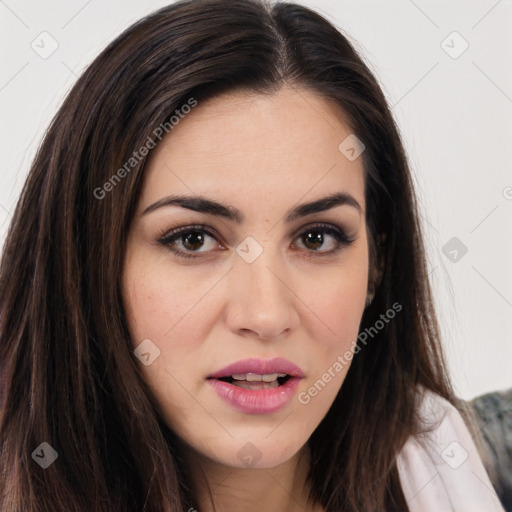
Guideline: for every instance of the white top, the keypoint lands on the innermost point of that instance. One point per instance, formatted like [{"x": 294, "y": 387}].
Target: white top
[{"x": 441, "y": 471}]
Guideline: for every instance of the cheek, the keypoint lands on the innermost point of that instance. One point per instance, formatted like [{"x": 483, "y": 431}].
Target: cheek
[
  {"x": 161, "y": 302},
  {"x": 166, "y": 309},
  {"x": 342, "y": 302},
  {"x": 337, "y": 303},
  {"x": 338, "y": 299}
]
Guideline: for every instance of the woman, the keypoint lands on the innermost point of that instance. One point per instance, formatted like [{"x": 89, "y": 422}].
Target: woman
[{"x": 214, "y": 290}]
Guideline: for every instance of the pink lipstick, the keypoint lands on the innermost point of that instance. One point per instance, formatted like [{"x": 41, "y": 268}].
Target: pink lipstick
[{"x": 257, "y": 386}]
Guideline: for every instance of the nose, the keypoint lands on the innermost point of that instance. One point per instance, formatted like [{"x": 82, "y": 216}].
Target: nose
[{"x": 262, "y": 303}]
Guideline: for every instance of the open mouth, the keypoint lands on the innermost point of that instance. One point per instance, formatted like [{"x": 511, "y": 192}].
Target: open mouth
[
  {"x": 254, "y": 381},
  {"x": 256, "y": 386}
]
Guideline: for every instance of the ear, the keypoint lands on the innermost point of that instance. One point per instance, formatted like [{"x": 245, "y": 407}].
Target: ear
[{"x": 377, "y": 268}]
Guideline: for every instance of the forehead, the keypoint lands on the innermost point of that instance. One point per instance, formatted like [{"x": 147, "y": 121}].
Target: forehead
[{"x": 283, "y": 146}]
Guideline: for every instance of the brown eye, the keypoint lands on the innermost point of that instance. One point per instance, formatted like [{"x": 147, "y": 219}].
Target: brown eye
[
  {"x": 186, "y": 242},
  {"x": 315, "y": 237},
  {"x": 193, "y": 241}
]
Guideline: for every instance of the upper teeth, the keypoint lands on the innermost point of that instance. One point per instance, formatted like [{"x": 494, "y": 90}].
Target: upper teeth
[{"x": 256, "y": 377}]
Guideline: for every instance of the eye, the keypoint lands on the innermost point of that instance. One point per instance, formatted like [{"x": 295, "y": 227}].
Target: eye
[
  {"x": 190, "y": 238},
  {"x": 318, "y": 235},
  {"x": 187, "y": 242}
]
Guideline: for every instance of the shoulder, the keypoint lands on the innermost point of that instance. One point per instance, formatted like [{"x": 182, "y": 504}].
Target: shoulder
[{"x": 440, "y": 470}]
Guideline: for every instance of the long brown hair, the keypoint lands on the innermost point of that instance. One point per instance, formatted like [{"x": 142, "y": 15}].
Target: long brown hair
[{"x": 70, "y": 378}]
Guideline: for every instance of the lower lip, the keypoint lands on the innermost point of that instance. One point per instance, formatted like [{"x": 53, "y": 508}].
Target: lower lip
[{"x": 257, "y": 401}]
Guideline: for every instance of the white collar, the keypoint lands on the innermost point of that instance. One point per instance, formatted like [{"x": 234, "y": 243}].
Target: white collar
[{"x": 441, "y": 470}]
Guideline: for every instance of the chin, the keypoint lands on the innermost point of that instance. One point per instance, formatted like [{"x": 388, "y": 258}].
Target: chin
[{"x": 258, "y": 454}]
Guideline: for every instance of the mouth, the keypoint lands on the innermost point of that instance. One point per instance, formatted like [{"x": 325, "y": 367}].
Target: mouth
[
  {"x": 257, "y": 386},
  {"x": 258, "y": 372}
]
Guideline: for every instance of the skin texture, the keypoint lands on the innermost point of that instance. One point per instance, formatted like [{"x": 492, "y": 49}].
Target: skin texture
[{"x": 262, "y": 154}]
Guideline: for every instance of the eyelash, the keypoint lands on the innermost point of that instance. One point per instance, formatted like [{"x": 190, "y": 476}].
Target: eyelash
[{"x": 167, "y": 238}]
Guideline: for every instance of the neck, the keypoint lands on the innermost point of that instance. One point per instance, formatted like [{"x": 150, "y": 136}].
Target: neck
[{"x": 221, "y": 488}]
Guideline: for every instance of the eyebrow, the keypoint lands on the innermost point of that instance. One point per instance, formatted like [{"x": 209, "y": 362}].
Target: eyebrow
[{"x": 210, "y": 207}]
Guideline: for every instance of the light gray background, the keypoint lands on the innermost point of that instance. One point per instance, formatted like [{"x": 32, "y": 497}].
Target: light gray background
[{"x": 455, "y": 115}]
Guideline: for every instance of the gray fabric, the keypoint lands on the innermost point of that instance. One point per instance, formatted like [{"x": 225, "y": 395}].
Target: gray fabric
[{"x": 493, "y": 413}]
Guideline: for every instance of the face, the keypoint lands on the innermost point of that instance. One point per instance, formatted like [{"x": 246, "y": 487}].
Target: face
[{"x": 260, "y": 277}]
